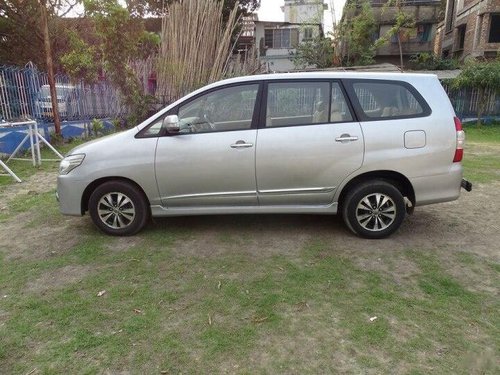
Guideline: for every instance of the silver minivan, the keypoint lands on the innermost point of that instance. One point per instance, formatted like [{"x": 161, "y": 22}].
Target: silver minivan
[{"x": 369, "y": 146}]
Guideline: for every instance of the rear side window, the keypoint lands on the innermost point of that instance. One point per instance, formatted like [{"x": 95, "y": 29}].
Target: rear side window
[
  {"x": 382, "y": 100},
  {"x": 305, "y": 103},
  {"x": 297, "y": 103}
]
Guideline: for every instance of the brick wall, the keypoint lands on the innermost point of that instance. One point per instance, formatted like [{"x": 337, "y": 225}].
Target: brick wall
[{"x": 475, "y": 16}]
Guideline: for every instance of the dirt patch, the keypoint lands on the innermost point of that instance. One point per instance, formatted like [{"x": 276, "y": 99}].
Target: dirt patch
[
  {"x": 58, "y": 278},
  {"x": 54, "y": 236},
  {"x": 17, "y": 241},
  {"x": 120, "y": 244},
  {"x": 315, "y": 336},
  {"x": 40, "y": 182},
  {"x": 466, "y": 225}
]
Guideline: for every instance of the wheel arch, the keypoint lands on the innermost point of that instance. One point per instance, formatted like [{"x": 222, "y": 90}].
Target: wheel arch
[
  {"x": 94, "y": 184},
  {"x": 400, "y": 181}
]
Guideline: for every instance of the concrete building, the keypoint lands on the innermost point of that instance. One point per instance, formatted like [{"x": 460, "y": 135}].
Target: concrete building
[
  {"x": 419, "y": 39},
  {"x": 304, "y": 11},
  {"x": 276, "y": 42},
  {"x": 470, "y": 28}
]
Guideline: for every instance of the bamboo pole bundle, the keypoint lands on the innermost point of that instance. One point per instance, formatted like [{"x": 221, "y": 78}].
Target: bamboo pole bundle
[
  {"x": 244, "y": 63},
  {"x": 195, "y": 47}
]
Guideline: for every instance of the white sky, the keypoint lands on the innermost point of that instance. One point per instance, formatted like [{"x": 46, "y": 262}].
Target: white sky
[{"x": 270, "y": 11}]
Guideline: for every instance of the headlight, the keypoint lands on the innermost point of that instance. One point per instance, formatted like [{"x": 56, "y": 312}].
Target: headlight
[{"x": 70, "y": 162}]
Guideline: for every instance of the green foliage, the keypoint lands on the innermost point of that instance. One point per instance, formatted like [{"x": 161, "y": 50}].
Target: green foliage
[
  {"x": 117, "y": 124},
  {"x": 246, "y": 7},
  {"x": 144, "y": 7},
  {"x": 122, "y": 38},
  {"x": 56, "y": 139},
  {"x": 148, "y": 44},
  {"x": 97, "y": 126},
  {"x": 318, "y": 52},
  {"x": 481, "y": 76},
  {"x": 21, "y": 36},
  {"x": 430, "y": 61},
  {"x": 355, "y": 34},
  {"x": 404, "y": 23},
  {"x": 80, "y": 62}
]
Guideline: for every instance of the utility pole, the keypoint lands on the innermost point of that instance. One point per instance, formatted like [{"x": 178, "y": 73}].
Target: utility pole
[{"x": 50, "y": 65}]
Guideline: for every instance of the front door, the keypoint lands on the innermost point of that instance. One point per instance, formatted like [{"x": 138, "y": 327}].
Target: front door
[
  {"x": 310, "y": 143},
  {"x": 211, "y": 161}
]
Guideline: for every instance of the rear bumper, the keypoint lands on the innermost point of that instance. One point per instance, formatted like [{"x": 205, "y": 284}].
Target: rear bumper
[{"x": 438, "y": 188}]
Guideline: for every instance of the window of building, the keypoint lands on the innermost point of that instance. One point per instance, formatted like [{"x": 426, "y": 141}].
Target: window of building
[
  {"x": 424, "y": 32},
  {"x": 308, "y": 33},
  {"x": 450, "y": 15},
  {"x": 281, "y": 38},
  {"x": 494, "y": 36},
  {"x": 461, "y": 36}
]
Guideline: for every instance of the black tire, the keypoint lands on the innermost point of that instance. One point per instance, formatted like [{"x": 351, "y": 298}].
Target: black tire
[
  {"x": 383, "y": 217},
  {"x": 127, "y": 206}
]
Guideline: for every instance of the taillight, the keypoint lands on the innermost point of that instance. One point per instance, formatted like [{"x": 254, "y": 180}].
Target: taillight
[{"x": 459, "y": 150}]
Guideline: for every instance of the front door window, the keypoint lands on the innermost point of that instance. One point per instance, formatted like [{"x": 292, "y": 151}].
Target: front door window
[{"x": 226, "y": 109}]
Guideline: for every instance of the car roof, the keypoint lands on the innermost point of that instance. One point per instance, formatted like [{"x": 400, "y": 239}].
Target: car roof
[{"x": 326, "y": 75}]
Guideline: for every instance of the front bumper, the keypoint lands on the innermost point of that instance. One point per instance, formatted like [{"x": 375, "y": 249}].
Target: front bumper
[{"x": 69, "y": 195}]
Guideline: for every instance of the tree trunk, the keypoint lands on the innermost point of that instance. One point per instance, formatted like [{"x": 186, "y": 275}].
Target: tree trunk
[
  {"x": 50, "y": 65},
  {"x": 400, "y": 52}
]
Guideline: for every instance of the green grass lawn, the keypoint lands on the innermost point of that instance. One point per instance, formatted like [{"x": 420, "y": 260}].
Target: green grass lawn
[
  {"x": 24, "y": 168},
  {"x": 163, "y": 312},
  {"x": 242, "y": 294},
  {"x": 482, "y": 153}
]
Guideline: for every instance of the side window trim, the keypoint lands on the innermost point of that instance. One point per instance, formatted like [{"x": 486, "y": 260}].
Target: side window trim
[
  {"x": 348, "y": 100},
  {"x": 358, "y": 110}
]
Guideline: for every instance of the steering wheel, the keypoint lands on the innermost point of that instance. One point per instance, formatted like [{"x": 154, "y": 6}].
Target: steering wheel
[{"x": 208, "y": 121}]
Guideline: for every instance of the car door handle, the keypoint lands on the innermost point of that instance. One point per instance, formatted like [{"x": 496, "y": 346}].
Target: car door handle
[
  {"x": 346, "y": 138},
  {"x": 241, "y": 144}
]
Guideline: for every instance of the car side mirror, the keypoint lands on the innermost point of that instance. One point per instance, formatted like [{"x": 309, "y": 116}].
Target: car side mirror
[{"x": 171, "y": 124}]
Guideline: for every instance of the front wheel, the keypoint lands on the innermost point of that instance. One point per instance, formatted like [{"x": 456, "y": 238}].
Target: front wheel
[
  {"x": 118, "y": 208},
  {"x": 374, "y": 209}
]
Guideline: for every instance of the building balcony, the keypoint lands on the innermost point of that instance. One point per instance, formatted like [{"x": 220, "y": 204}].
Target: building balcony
[
  {"x": 407, "y": 2},
  {"x": 409, "y": 48}
]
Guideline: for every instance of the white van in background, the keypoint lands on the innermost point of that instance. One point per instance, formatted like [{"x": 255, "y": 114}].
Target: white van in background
[{"x": 66, "y": 101}]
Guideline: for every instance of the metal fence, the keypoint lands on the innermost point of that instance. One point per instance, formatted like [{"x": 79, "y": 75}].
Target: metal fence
[
  {"x": 466, "y": 102},
  {"x": 25, "y": 93}
]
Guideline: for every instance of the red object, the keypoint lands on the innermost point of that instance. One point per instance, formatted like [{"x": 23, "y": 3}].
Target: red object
[{"x": 459, "y": 151}]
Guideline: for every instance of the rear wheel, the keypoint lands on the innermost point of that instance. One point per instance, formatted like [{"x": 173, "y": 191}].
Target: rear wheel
[
  {"x": 118, "y": 208},
  {"x": 374, "y": 209}
]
